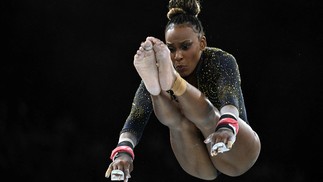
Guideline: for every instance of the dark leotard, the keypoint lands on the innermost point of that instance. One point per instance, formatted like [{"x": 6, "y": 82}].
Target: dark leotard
[{"x": 218, "y": 78}]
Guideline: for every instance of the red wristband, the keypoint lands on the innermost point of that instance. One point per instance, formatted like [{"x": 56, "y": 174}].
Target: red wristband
[
  {"x": 228, "y": 123},
  {"x": 118, "y": 149}
]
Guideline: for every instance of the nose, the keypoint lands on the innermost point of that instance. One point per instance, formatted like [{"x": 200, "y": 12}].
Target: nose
[{"x": 178, "y": 55}]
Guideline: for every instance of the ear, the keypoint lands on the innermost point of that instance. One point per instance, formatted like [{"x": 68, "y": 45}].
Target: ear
[{"x": 203, "y": 42}]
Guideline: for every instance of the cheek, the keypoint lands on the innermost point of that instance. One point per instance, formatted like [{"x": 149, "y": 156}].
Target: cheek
[
  {"x": 193, "y": 57},
  {"x": 172, "y": 57}
]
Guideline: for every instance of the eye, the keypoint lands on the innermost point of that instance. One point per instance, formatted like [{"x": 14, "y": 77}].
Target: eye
[
  {"x": 171, "y": 48},
  {"x": 186, "y": 46}
]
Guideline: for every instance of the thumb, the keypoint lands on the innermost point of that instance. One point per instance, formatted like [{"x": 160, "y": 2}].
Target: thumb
[
  {"x": 208, "y": 139},
  {"x": 108, "y": 172}
]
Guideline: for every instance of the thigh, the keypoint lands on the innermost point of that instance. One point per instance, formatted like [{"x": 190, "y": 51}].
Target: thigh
[
  {"x": 166, "y": 110},
  {"x": 191, "y": 152}
]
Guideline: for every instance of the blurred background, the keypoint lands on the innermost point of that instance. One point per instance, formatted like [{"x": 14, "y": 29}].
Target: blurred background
[{"x": 67, "y": 82}]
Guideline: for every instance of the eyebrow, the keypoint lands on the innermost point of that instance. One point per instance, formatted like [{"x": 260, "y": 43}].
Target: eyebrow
[{"x": 185, "y": 41}]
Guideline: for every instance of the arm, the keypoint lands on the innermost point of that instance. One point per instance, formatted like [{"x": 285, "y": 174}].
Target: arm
[
  {"x": 229, "y": 99},
  {"x": 231, "y": 109},
  {"x": 246, "y": 148},
  {"x": 122, "y": 156},
  {"x": 229, "y": 88}
]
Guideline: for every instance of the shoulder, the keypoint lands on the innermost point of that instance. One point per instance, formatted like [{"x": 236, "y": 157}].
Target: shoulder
[{"x": 218, "y": 56}]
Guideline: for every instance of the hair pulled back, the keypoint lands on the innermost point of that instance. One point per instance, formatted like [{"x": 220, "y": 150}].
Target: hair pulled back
[{"x": 185, "y": 12}]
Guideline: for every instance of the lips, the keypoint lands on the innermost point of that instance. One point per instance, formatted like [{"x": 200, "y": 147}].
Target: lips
[{"x": 180, "y": 68}]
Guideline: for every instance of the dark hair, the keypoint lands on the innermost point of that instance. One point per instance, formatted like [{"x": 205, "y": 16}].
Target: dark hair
[{"x": 185, "y": 12}]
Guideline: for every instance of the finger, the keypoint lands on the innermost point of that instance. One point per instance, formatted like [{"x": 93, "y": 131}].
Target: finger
[
  {"x": 207, "y": 141},
  {"x": 127, "y": 173},
  {"x": 108, "y": 172},
  {"x": 230, "y": 144},
  {"x": 214, "y": 150},
  {"x": 209, "y": 138},
  {"x": 214, "y": 153},
  {"x": 225, "y": 140}
]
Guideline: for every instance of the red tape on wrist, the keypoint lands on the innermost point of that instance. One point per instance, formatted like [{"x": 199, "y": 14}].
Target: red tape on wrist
[
  {"x": 228, "y": 123},
  {"x": 118, "y": 149}
]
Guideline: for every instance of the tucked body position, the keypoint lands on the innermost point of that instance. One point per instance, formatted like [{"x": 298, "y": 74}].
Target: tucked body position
[{"x": 195, "y": 90}]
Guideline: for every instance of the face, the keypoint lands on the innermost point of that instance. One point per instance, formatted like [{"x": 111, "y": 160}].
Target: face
[{"x": 185, "y": 47}]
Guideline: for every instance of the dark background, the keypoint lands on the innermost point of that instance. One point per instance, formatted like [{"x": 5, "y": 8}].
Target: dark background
[{"x": 67, "y": 83}]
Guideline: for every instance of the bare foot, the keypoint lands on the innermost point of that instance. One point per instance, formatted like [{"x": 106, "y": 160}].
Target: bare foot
[
  {"x": 145, "y": 64},
  {"x": 167, "y": 73}
]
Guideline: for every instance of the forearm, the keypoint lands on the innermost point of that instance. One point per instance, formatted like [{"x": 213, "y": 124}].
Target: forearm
[
  {"x": 127, "y": 136},
  {"x": 231, "y": 109}
]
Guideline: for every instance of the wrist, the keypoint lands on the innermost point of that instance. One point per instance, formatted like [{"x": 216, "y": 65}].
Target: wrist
[
  {"x": 123, "y": 147},
  {"x": 228, "y": 121}
]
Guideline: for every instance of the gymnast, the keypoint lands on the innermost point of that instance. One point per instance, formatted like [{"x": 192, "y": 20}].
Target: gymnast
[{"x": 194, "y": 90}]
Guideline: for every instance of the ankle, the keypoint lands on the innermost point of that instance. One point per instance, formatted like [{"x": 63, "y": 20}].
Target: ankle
[{"x": 179, "y": 85}]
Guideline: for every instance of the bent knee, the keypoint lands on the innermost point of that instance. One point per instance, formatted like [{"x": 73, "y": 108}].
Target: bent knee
[{"x": 237, "y": 169}]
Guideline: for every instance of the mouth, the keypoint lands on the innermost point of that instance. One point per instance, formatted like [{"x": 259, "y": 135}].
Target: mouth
[{"x": 180, "y": 68}]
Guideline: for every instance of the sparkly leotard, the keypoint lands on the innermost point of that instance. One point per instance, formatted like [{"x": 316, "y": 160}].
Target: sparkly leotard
[{"x": 218, "y": 78}]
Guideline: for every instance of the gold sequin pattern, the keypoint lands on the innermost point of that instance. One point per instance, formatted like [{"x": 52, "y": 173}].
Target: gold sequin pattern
[{"x": 218, "y": 78}]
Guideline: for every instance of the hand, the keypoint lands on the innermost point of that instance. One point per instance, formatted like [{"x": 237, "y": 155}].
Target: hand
[
  {"x": 124, "y": 163},
  {"x": 223, "y": 135}
]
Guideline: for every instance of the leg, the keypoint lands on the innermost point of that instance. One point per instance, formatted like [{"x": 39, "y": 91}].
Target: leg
[
  {"x": 193, "y": 104},
  {"x": 243, "y": 155},
  {"x": 166, "y": 71},
  {"x": 186, "y": 139},
  {"x": 193, "y": 109},
  {"x": 145, "y": 64},
  {"x": 190, "y": 150},
  {"x": 200, "y": 112}
]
